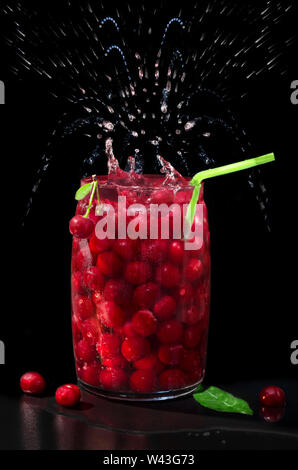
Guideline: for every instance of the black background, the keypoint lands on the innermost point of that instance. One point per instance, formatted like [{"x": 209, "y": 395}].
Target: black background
[{"x": 254, "y": 272}]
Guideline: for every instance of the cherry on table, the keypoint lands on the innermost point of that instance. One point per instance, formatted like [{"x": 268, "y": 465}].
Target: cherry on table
[
  {"x": 272, "y": 396},
  {"x": 81, "y": 227},
  {"x": 68, "y": 395},
  {"x": 32, "y": 383}
]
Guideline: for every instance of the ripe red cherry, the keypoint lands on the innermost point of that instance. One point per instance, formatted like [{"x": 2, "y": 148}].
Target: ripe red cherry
[
  {"x": 93, "y": 279},
  {"x": 115, "y": 362},
  {"x": 272, "y": 396},
  {"x": 134, "y": 348},
  {"x": 144, "y": 323},
  {"x": 110, "y": 314},
  {"x": 165, "y": 308},
  {"x": 113, "y": 379},
  {"x": 127, "y": 249},
  {"x": 33, "y": 383},
  {"x": 109, "y": 264},
  {"x": 150, "y": 362},
  {"x": 89, "y": 374},
  {"x": 192, "y": 336},
  {"x": 143, "y": 381},
  {"x": 118, "y": 291},
  {"x": 191, "y": 315},
  {"x": 154, "y": 251},
  {"x": 167, "y": 275},
  {"x": 97, "y": 245},
  {"x": 83, "y": 307},
  {"x": 145, "y": 296},
  {"x": 127, "y": 329},
  {"x": 81, "y": 227},
  {"x": 138, "y": 272},
  {"x": 190, "y": 361},
  {"x": 171, "y": 354},
  {"x": 194, "y": 270},
  {"x": 170, "y": 331},
  {"x": 184, "y": 293},
  {"x": 172, "y": 378},
  {"x": 176, "y": 251},
  {"x": 68, "y": 395},
  {"x": 108, "y": 345},
  {"x": 77, "y": 283},
  {"x": 84, "y": 351},
  {"x": 91, "y": 330}
]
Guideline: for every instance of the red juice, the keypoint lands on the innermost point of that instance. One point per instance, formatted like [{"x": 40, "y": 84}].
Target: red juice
[{"x": 140, "y": 290}]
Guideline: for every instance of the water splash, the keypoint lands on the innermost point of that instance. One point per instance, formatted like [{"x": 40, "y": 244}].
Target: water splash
[{"x": 174, "y": 102}]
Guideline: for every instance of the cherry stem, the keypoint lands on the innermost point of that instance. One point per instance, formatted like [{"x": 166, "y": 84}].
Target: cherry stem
[{"x": 95, "y": 186}]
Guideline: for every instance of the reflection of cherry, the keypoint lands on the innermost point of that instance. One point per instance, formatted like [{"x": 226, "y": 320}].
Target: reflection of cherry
[
  {"x": 272, "y": 396},
  {"x": 270, "y": 414},
  {"x": 81, "y": 227}
]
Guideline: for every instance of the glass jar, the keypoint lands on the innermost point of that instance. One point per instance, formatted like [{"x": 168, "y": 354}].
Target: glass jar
[{"x": 140, "y": 291}]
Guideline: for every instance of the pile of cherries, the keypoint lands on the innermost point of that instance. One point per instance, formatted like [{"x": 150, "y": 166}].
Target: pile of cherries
[{"x": 140, "y": 309}]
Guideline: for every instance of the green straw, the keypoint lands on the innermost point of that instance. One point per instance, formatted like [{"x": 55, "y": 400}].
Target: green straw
[{"x": 221, "y": 170}]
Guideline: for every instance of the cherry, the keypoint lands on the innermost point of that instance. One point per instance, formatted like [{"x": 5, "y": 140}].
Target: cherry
[
  {"x": 128, "y": 329},
  {"x": 108, "y": 345},
  {"x": 138, "y": 272},
  {"x": 170, "y": 331},
  {"x": 149, "y": 362},
  {"x": 110, "y": 314},
  {"x": 97, "y": 245},
  {"x": 82, "y": 259},
  {"x": 176, "y": 251},
  {"x": 127, "y": 248},
  {"x": 143, "y": 381},
  {"x": 91, "y": 330},
  {"x": 194, "y": 270},
  {"x": 167, "y": 275},
  {"x": 172, "y": 378},
  {"x": 97, "y": 297},
  {"x": 171, "y": 354},
  {"x": 33, "y": 383},
  {"x": 89, "y": 374},
  {"x": 77, "y": 283},
  {"x": 83, "y": 306},
  {"x": 84, "y": 351},
  {"x": 113, "y": 379},
  {"x": 134, "y": 348},
  {"x": 81, "y": 227},
  {"x": 68, "y": 395},
  {"x": 191, "y": 315},
  {"x": 184, "y": 293},
  {"x": 115, "y": 362},
  {"x": 145, "y": 295},
  {"x": 165, "y": 308},
  {"x": 109, "y": 264},
  {"x": 144, "y": 323},
  {"x": 192, "y": 336},
  {"x": 272, "y": 396},
  {"x": 154, "y": 251},
  {"x": 118, "y": 291},
  {"x": 93, "y": 279},
  {"x": 190, "y": 361}
]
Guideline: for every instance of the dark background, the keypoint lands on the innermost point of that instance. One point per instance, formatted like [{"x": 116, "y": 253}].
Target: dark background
[{"x": 253, "y": 313}]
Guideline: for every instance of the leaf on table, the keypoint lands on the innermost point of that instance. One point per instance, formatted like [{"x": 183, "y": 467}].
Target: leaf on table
[{"x": 219, "y": 400}]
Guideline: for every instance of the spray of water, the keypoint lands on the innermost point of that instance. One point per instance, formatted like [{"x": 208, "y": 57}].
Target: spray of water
[{"x": 150, "y": 91}]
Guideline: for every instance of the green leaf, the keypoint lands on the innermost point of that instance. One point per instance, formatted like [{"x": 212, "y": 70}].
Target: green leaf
[
  {"x": 83, "y": 191},
  {"x": 219, "y": 400}
]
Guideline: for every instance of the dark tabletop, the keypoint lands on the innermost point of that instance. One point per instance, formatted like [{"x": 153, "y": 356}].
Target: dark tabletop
[{"x": 39, "y": 423}]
